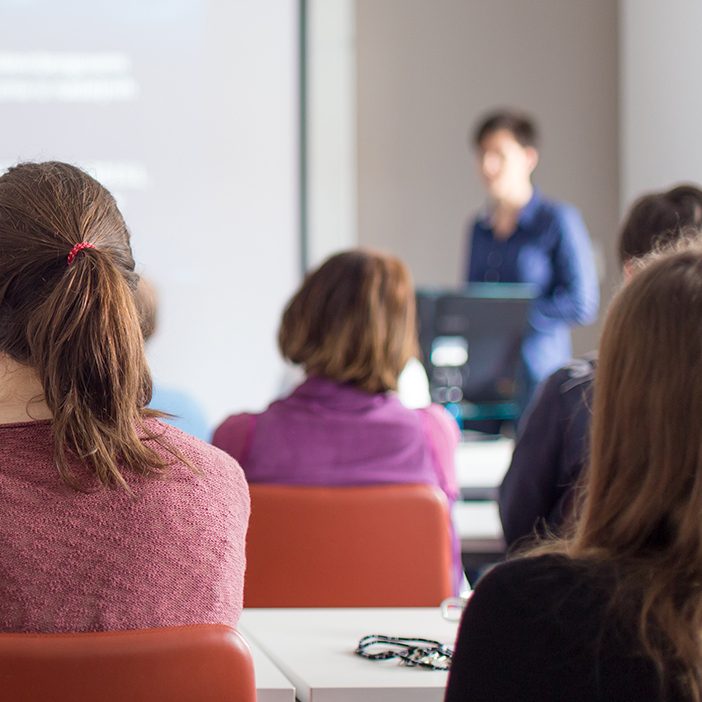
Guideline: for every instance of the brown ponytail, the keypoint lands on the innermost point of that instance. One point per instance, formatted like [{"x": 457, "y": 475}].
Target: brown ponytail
[{"x": 76, "y": 325}]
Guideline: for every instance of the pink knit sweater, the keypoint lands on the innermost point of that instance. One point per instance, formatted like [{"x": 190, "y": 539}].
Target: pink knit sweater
[{"x": 172, "y": 553}]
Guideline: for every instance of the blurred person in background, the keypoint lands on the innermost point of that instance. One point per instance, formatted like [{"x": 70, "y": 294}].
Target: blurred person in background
[
  {"x": 613, "y": 610},
  {"x": 180, "y": 408},
  {"x": 536, "y": 494},
  {"x": 351, "y": 326},
  {"x": 522, "y": 237}
]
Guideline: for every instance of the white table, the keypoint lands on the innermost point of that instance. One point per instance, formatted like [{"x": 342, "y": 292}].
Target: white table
[
  {"x": 481, "y": 465},
  {"x": 478, "y": 526},
  {"x": 271, "y": 684},
  {"x": 313, "y": 648}
]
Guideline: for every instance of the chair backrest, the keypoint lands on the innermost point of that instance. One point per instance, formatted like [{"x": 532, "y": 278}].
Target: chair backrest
[
  {"x": 371, "y": 546},
  {"x": 207, "y": 662}
]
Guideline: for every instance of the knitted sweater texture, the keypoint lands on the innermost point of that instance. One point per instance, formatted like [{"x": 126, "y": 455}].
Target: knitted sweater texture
[{"x": 170, "y": 553}]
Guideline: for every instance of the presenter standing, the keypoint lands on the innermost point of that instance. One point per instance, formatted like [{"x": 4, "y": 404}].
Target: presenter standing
[{"x": 522, "y": 237}]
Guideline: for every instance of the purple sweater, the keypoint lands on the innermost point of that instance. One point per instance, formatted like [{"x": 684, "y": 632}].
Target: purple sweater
[
  {"x": 327, "y": 433},
  {"x": 170, "y": 554}
]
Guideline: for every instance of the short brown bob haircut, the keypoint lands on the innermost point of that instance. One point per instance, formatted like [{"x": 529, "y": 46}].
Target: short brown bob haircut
[{"x": 353, "y": 320}]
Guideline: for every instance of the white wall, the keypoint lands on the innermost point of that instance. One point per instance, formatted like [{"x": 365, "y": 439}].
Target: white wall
[
  {"x": 331, "y": 119},
  {"x": 661, "y": 100}
]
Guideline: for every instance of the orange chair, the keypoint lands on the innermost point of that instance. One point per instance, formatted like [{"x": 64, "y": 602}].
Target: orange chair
[
  {"x": 374, "y": 546},
  {"x": 206, "y": 662}
]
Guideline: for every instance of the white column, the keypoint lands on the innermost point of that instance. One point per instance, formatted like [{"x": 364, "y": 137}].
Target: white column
[
  {"x": 661, "y": 100},
  {"x": 331, "y": 115}
]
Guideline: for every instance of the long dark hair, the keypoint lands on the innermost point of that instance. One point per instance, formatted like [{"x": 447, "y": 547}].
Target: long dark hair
[
  {"x": 641, "y": 509},
  {"x": 76, "y": 323}
]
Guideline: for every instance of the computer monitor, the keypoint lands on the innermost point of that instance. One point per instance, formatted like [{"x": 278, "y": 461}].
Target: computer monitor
[{"x": 470, "y": 340}]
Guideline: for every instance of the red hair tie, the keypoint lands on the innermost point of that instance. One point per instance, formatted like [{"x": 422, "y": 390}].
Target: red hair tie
[{"x": 77, "y": 249}]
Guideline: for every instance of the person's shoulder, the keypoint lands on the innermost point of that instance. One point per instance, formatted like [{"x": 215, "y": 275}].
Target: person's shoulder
[
  {"x": 514, "y": 569},
  {"x": 440, "y": 422},
  {"x": 234, "y": 432},
  {"x": 202, "y": 456},
  {"x": 556, "y": 208},
  {"x": 234, "y": 422},
  {"x": 526, "y": 579},
  {"x": 577, "y": 373},
  {"x": 562, "y": 216},
  {"x": 564, "y": 392}
]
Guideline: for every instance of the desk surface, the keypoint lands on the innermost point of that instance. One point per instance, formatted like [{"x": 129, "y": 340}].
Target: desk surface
[
  {"x": 478, "y": 527},
  {"x": 481, "y": 465},
  {"x": 313, "y": 648},
  {"x": 271, "y": 684}
]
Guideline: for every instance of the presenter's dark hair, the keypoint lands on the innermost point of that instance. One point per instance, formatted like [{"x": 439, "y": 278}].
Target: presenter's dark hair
[
  {"x": 658, "y": 219},
  {"x": 353, "y": 320},
  {"x": 521, "y": 126},
  {"x": 73, "y": 319}
]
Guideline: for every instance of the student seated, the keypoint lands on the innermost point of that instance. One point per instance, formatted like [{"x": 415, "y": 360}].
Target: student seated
[
  {"x": 613, "y": 610},
  {"x": 180, "y": 408},
  {"x": 537, "y": 492},
  {"x": 352, "y": 327},
  {"x": 110, "y": 518}
]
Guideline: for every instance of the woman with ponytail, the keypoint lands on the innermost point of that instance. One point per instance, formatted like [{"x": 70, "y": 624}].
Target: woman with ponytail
[{"x": 109, "y": 518}]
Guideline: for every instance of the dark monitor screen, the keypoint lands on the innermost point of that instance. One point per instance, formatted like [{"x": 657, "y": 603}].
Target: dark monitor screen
[{"x": 471, "y": 338}]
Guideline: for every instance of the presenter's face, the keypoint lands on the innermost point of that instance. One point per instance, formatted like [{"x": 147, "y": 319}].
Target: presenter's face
[{"x": 505, "y": 165}]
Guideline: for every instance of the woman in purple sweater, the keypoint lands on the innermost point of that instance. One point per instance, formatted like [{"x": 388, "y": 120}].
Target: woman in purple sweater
[
  {"x": 109, "y": 519},
  {"x": 352, "y": 328}
]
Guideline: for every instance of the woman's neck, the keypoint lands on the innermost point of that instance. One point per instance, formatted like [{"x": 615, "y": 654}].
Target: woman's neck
[{"x": 21, "y": 393}]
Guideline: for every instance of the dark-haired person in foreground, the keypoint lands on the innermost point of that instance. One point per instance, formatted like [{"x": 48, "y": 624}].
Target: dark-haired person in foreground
[
  {"x": 523, "y": 237},
  {"x": 352, "y": 327},
  {"x": 109, "y": 519},
  {"x": 551, "y": 450},
  {"x": 613, "y": 610}
]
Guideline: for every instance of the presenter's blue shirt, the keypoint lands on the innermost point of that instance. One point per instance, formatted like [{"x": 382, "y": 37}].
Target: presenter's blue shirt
[{"x": 551, "y": 249}]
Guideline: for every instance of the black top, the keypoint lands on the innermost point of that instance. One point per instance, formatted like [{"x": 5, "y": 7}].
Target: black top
[
  {"x": 538, "y": 629},
  {"x": 550, "y": 453}
]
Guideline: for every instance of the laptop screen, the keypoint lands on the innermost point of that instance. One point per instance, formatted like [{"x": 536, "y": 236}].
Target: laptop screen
[{"x": 471, "y": 339}]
